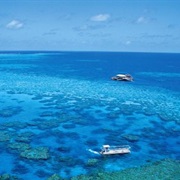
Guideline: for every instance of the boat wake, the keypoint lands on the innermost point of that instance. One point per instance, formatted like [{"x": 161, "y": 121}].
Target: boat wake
[{"x": 94, "y": 152}]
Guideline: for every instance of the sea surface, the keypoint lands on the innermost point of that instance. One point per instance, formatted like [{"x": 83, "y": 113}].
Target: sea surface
[{"x": 58, "y": 108}]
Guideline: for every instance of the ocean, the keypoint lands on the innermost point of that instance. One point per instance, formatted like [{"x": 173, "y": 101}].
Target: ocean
[{"x": 57, "y": 109}]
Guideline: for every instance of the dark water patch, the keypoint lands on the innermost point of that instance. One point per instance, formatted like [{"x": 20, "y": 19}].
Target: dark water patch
[
  {"x": 69, "y": 126},
  {"x": 131, "y": 118},
  {"x": 166, "y": 117},
  {"x": 10, "y": 111},
  {"x": 15, "y": 125},
  {"x": 154, "y": 152},
  {"x": 67, "y": 171},
  {"x": 72, "y": 135},
  {"x": 148, "y": 132},
  {"x": 161, "y": 147},
  {"x": 4, "y": 147},
  {"x": 69, "y": 161},
  {"x": 81, "y": 121},
  {"x": 113, "y": 115},
  {"x": 149, "y": 112},
  {"x": 48, "y": 124},
  {"x": 2, "y": 128},
  {"x": 25, "y": 137},
  {"x": 120, "y": 128},
  {"x": 156, "y": 123},
  {"x": 113, "y": 140},
  {"x": 131, "y": 137},
  {"x": 135, "y": 147},
  {"x": 47, "y": 108},
  {"x": 37, "y": 97},
  {"x": 14, "y": 99},
  {"x": 41, "y": 173},
  {"x": 102, "y": 131},
  {"x": 86, "y": 121},
  {"x": 47, "y": 114},
  {"x": 127, "y": 112},
  {"x": 59, "y": 107},
  {"x": 20, "y": 169},
  {"x": 50, "y": 104},
  {"x": 84, "y": 136},
  {"x": 64, "y": 149},
  {"x": 57, "y": 167},
  {"x": 59, "y": 136},
  {"x": 91, "y": 142},
  {"x": 10, "y": 92},
  {"x": 34, "y": 123},
  {"x": 44, "y": 136},
  {"x": 45, "y": 101},
  {"x": 19, "y": 102}
]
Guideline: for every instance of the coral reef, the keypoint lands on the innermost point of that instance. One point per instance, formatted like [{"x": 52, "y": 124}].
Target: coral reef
[
  {"x": 165, "y": 169},
  {"x": 92, "y": 162},
  {"x": 4, "y": 136},
  {"x": 19, "y": 146},
  {"x": 39, "y": 153},
  {"x": 8, "y": 177},
  {"x": 55, "y": 177}
]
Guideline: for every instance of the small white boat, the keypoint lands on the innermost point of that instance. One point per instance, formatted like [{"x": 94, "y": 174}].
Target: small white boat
[
  {"x": 122, "y": 77},
  {"x": 110, "y": 150}
]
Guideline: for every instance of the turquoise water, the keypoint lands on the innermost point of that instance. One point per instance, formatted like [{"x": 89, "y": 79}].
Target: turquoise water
[{"x": 66, "y": 103}]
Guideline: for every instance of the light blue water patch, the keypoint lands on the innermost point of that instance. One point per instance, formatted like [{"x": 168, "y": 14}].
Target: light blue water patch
[
  {"x": 160, "y": 74},
  {"x": 20, "y": 56}
]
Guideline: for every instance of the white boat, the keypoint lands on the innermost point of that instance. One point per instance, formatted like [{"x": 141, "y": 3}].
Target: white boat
[
  {"x": 122, "y": 77},
  {"x": 110, "y": 150}
]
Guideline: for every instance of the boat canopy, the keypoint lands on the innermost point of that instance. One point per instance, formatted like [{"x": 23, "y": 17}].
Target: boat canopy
[
  {"x": 106, "y": 146},
  {"x": 121, "y": 75}
]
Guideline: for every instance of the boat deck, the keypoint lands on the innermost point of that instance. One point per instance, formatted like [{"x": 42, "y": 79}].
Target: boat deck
[{"x": 116, "y": 151}]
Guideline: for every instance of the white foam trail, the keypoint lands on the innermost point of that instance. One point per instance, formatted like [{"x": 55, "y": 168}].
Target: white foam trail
[{"x": 94, "y": 152}]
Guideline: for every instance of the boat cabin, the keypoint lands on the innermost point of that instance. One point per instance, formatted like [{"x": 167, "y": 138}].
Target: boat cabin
[{"x": 105, "y": 148}]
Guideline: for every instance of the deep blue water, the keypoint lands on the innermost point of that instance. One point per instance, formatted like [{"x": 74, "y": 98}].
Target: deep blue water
[{"x": 67, "y": 103}]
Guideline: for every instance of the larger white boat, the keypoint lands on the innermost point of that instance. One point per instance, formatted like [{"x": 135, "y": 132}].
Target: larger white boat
[
  {"x": 122, "y": 77},
  {"x": 110, "y": 150}
]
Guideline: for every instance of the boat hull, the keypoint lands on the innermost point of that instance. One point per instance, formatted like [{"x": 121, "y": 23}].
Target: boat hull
[{"x": 118, "y": 151}]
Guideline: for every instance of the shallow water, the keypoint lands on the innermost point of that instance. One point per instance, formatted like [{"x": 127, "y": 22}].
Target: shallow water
[{"x": 66, "y": 102}]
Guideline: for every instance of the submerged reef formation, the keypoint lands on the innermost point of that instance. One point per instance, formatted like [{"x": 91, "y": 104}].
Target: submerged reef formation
[
  {"x": 26, "y": 151},
  {"x": 36, "y": 153},
  {"x": 55, "y": 177},
  {"x": 8, "y": 177},
  {"x": 160, "y": 170},
  {"x": 154, "y": 101},
  {"x": 4, "y": 136},
  {"x": 92, "y": 162},
  {"x": 9, "y": 111},
  {"x": 165, "y": 169}
]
